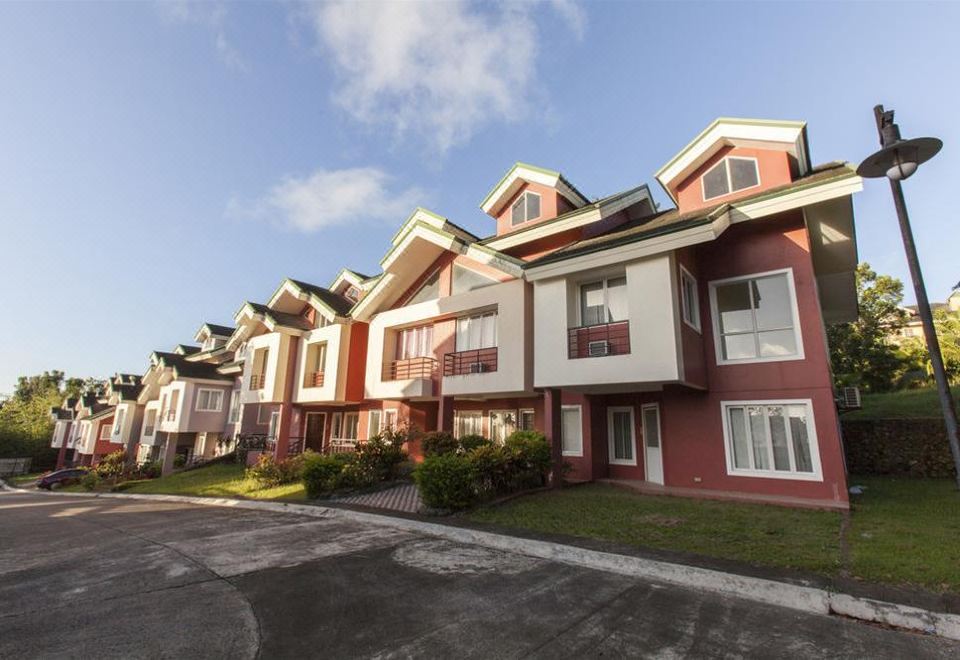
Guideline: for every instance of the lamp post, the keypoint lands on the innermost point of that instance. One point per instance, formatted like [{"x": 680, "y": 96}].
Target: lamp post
[{"x": 897, "y": 160}]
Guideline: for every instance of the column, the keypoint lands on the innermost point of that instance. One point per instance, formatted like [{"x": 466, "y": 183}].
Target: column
[
  {"x": 445, "y": 415},
  {"x": 169, "y": 454},
  {"x": 553, "y": 429},
  {"x": 62, "y": 454},
  {"x": 285, "y": 425}
]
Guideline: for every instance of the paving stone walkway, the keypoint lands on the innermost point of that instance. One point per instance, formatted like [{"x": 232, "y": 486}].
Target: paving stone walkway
[{"x": 404, "y": 498}]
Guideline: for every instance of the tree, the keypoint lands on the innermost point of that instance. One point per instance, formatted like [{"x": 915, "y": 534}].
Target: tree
[
  {"x": 947, "y": 324},
  {"x": 862, "y": 353}
]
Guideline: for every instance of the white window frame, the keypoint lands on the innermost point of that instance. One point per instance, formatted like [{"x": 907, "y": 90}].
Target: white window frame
[
  {"x": 460, "y": 414},
  {"x": 533, "y": 421},
  {"x": 812, "y": 440},
  {"x": 336, "y": 425},
  {"x": 390, "y": 416},
  {"x": 795, "y": 315},
  {"x": 579, "y": 410},
  {"x": 347, "y": 415},
  {"x": 233, "y": 417},
  {"x": 117, "y": 421},
  {"x": 370, "y": 416},
  {"x": 470, "y": 319},
  {"x": 210, "y": 391},
  {"x": 400, "y": 343},
  {"x": 606, "y": 298},
  {"x": 490, "y": 415},
  {"x": 426, "y": 280},
  {"x": 724, "y": 162},
  {"x": 686, "y": 278},
  {"x": 108, "y": 434},
  {"x": 633, "y": 435},
  {"x": 260, "y": 420},
  {"x": 526, "y": 217}
]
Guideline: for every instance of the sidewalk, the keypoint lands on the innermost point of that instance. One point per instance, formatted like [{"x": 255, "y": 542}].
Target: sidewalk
[{"x": 922, "y": 612}]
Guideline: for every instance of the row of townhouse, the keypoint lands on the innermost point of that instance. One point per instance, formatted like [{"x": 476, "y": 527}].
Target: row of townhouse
[{"x": 683, "y": 350}]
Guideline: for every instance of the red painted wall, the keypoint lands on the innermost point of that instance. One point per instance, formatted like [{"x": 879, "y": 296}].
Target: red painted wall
[
  {"x": 774, "y": 169},
  {"x": 552, "y": 204},
  {"x": 357, "y": 361}
]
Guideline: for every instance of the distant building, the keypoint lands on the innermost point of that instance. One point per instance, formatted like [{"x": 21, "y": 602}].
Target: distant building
[{"x": 914, "y": 328}]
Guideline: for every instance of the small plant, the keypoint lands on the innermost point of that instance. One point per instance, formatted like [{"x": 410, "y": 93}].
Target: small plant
[
  {"x": 380, "y": 454},
  {"x": 90, "y": 480},
  {"x": 438, "y": 443},
  {"x": 321, "y": 474},
  {"x": 269, "y": 472},
  {"x": 179, "y": 461},
  {"x": 446, "y": 481},
  {"x": 112, "y": 465},
  {"x": 494, "y": 468},
  {"x": 470, "y": 442},
  {"x": 356, "y": 475},
  {"x": 531, "y": 452},
  {"x": 150, "y": 470}
]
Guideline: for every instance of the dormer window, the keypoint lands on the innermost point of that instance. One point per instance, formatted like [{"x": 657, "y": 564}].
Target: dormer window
[
  {"x": 526, "y": 208},
  {"x": 352, "y": 293},
  {"x": 730, "y": 175}
]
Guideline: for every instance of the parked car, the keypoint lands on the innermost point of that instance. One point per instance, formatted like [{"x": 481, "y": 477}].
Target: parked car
[{"x": 61, "y": 478}]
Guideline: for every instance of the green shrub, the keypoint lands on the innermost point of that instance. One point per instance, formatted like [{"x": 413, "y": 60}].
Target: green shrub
[
  {"x": 179, "y": 460},
  {"x": 90, "y": 480},
  {"x": 438, "y": 443},
  {"x": 470, "y": 442},
  {"x": 321, "y": 474},
  {"x": 112, "y": 465},
  {"x": 446, "y": 481},
  {"x": 532, "y": 455},
  {"x": 380, "y": 455},
  {"x": 150, "y": 470},
  {"x": 494, "y": 469},
  {"x": 269, "y": 472},
  {"x": 356, "y": 475}
]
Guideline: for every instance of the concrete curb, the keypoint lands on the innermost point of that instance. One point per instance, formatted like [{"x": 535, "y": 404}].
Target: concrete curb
[{"x": 796, "y": 597}]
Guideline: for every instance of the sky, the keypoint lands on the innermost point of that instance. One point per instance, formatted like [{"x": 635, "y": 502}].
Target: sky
[{"x": 162, "y": 163}]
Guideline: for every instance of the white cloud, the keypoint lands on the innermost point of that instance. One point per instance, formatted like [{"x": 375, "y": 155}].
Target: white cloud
[
  {"x": 438, "y": 69},
  {"x": 329, "y": 197},
  {"x": 211, "y": 15}
]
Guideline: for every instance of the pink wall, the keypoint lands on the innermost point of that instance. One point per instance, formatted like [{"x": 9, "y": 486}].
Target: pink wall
[
  {"x": 552, "y": 204},
  {"x": 774, "y": 169}
]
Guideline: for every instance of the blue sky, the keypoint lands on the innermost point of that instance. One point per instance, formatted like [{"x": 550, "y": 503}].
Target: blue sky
[{"x": 162, "y": 163}]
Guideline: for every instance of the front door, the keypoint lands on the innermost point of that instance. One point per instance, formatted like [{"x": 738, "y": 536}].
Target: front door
[
  {"x": 313, "y": 433},
  {"x": 653, "y": 458}
]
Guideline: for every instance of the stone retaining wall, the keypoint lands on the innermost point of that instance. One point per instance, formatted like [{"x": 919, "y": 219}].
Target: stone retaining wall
[{"x": 900, "y": 447}]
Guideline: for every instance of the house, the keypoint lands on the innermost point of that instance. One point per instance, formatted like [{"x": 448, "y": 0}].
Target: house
[
  {"x": 302, "y": 357},
  {"x": 914, "y": 327},
  {"x": 92, "y": 430},
  {"x": 62, "y": 417},
  {"x": 185, "y": 399},
  {"x": 123, "y": 390}
]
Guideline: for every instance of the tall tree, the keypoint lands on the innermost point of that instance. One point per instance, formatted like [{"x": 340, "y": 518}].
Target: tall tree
[
  {"x": 947, "y": 324},
  {"x": 862, "y": 353}
]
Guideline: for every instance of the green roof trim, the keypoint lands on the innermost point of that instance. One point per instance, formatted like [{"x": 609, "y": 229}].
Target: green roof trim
[{"x": 535, "y": 168}]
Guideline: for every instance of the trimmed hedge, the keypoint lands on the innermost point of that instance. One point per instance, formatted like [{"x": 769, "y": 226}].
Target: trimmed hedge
[{"x": 378, "y": 459}]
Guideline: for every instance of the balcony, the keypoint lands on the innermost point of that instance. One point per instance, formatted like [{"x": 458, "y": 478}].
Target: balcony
[
  {"x": 148, "y": 431},
  {"x": 409, "y": 369},
  {"x": 169, "y": 416},
  {"x": 314, "y": 379},
  {"x": 478, "y": 361},
  {"x": 258, "y": 381},
  {"x": 599, "y": 340}
]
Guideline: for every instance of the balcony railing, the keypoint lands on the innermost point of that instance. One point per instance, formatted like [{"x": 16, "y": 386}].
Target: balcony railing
[
  {"x": 419, "y": 367},
  {"x": 258, "y": 381},
  {"x": 314, "y": 379},
  {"x": 148, "y": 431},
  {"x": 476, "y": 361},
  {"x": 170, "y": 415},
  {"x": 599, "y": 340}
]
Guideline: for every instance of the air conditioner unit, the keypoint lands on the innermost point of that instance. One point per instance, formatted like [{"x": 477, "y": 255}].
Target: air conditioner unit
[
  {"x": 598, "y": 348},
  {"x": 477, "y": 367},
  {"x": 850, "y": 398}
]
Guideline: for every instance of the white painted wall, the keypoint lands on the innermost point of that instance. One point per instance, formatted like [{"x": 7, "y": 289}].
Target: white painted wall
[
  {"x": 277, "y": 343},
  {"x": 337, "y": 338},
  {"x": 153, "y": 406},
  {"x": 654, "y": 330}
]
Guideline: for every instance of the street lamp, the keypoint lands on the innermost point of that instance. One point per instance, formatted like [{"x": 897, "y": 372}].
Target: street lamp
[{"x": 898, "y": 160}]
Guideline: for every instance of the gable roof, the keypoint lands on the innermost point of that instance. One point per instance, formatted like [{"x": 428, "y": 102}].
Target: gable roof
[
  {"x": 790, "y": 136},
  {"x": 339, "y": 304},
  {"x": 515, "y": 177},
  {"x": 275, "y": 318},
  {"x": 671, "y": 221},
  {"x": 183, "y": 368}
]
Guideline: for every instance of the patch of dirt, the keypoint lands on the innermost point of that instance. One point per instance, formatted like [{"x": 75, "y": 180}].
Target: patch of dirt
[{"x": 444, "y": 557}]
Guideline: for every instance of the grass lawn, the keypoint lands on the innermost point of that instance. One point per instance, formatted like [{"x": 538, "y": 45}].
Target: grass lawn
[
  {"x": 907, "y": 531},
  {"x": 903, "y": 531},
  {"x": 217, "y": 481},
  {"x": 903, "y": 403},
  {"x": 764, "y": 535},
  {"x": 24, "y": 479}
]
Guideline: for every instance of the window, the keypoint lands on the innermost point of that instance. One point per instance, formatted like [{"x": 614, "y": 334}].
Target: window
[
  {"x": 526, "y": 208},
  {"x": 390, "y": 419},
  {"x": 475, "y": 332},
  {"x": 502, "y": 424},
  {"x": 274, "y": 425},
  {"x": 429, "y": 290},
  {"x": 415, "y": 342},
  {"x": 261, "y": 417},
  {"x": 465, "y": 280},
  {"x": 149, "y": 423},
  {"x": 571, "y": 428},
  {"x": 467, "y": 423},
  {"x": 316, "y": 363},
  {"x": 527, "y": 418},
  {"x": 604, "y": 301},
  {"x": 689, "y": 299},
  {"x": 730, "y": 175},
  {"x": 209, "y": 400},
  {"x": 621, "y": 436},
  {"x": 771, "y": 439},
  {"x": 351, "y": 421},
  {"x": 234, "y": 408},
  {"x": 118, "y": 422},
  {"x": 373, "y": 424},
  {"x": 756, "y": 319},
  {"x": 105, "y": 431},
  {"x": 337, "y": 425},
  {"x": 352, "y": 293}
]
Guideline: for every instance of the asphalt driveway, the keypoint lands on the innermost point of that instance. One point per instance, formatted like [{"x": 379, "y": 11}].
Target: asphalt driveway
[{"x": 135, "y": 579}]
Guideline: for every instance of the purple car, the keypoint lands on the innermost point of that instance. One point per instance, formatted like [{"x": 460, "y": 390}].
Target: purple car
[{"x": 61, "y": 478}]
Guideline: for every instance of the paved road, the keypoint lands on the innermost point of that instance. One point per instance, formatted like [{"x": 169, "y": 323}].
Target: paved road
[{"x": 131, "y": 579}]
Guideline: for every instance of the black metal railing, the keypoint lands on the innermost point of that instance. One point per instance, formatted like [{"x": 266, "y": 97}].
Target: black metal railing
[
  {"x": 418, "y": 367},
  {"x": 476, "y": 361},
  {"x": 599, "y": 340}
]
